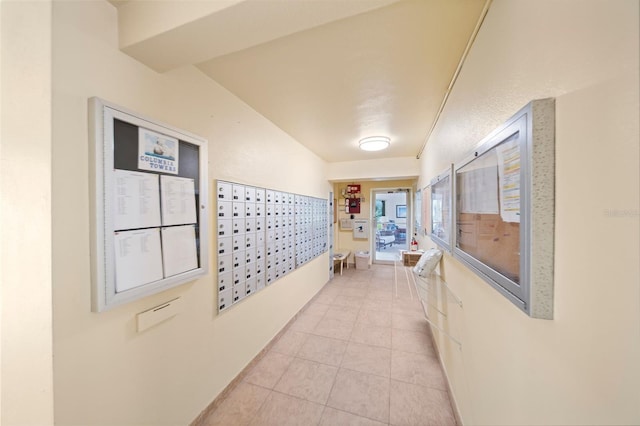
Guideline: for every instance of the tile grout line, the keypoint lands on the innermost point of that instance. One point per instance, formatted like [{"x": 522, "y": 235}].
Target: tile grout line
[{"x": 213, "y": 405}]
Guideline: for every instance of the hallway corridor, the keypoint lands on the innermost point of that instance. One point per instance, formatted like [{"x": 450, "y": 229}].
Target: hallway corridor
[{"x": 360, "y": 353}]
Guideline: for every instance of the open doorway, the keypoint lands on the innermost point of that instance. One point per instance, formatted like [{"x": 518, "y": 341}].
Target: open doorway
[{"x": 391, "y": 213}]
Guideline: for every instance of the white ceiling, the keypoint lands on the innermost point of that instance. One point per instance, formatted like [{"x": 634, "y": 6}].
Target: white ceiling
[{"x": 327, "y": 72}]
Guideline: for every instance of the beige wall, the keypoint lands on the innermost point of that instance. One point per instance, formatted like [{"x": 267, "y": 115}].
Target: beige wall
[
  {"x": 25, "y": 221},
  {"x": 384, "y": 168},
  {"x": 344, "y": 239},
  {"x": 104, "y": 372},
  {"x": 581, "y": 367}
]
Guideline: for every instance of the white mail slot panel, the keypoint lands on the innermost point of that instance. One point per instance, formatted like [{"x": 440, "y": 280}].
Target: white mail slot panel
[
  {"x": 281, "y": 258},
  {"x": 250, "y": 194},
  {"x": 261, "y": 282},
  {"x": 260, "y": 195},
  {"x": 238, "y": 209},
  {"x": 250, "y": 225},
  {"x": 290, "y": 233},
  {"x": 278, "y": 234},
  {"x": 260, "y": 252},
  {"x": 225, "y": 263},
  {"x": 225, "y": 227},
  {"x": 260, "y": 210},
  {"x": 251, "y": 286},
  {"x": 291, "y": 253},
  {"x": 270, "y": 196},
  {"x": 261, "y": 239},
  {"x": 239, "y": 259},
  {"x": 239, "y": 292},
  {"x": 250, "y": 255},
  {"x": 238, "y": 226},
  {"x": 271, "y": 236},
  {"x": 225, "y": 210},
  {"x": 260, "y": 266},
  {"x": 276, "y": 223},
  {"x": 290, "y": 209},
  {"x": 290, "y": 198},
  {"x": 237, "y": 243},
  {"x": 284, "y": 269},
  {"x": 271, "y": 263},
  {"x": 238, "y": 192},
  {"x": 277, "y": 210},
  {"x": 277, "y": 197},
  {"x": 225, "y": 299},
  {"x": 271, "y": 276},
  {"x": 238, "y": 276},
  {"x": 260, "y": 224},
  {"x": 224, "y": 191},
  {"x": 270, "y": 210},
  {"x": 291, "y": 265},
  {"x": 225, "y": 245},
  {"x": 249, "y": 271},
  {"x": 284, "y": 246},
  {"x": 271, "y": 223},
  {"x": 250, "y": 209},
  {"x": 250, "y": 241},
  {"x": 225, "y": 281},
  {"x": 271, "y": 249}
]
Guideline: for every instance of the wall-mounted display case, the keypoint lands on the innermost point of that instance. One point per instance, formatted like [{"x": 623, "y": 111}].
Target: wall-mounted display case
[
  {"x": 504, "y": 209},
  {"x": 441, "y": 208}
]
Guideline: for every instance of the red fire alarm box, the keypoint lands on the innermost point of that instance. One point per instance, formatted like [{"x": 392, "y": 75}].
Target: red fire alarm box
[
  {"x": 352, "y": 198},
  {"x": 353, "y": 205}
]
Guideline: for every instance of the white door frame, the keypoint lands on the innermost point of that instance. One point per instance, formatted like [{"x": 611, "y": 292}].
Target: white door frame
[{"x": 408, "y": 191}]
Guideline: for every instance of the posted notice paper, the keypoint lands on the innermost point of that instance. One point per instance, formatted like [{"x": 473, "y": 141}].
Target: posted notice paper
[
  {"x": 157, "y": 152},
  {"x": 138, "y": 258},
  {"x": 136, "y": 200},
  {"x": 178, "y": 200},
  {"x": 179, "y": 250}
]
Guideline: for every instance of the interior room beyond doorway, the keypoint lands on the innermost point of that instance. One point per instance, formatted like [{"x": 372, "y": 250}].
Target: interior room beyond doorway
[{"x": 390, "y": 212}]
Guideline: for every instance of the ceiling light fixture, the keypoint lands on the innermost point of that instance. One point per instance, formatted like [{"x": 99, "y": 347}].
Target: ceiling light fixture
[{"x": 374, "y": 143}]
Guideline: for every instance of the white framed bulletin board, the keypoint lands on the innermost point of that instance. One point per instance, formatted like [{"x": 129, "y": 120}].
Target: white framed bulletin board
[{"x": 149, "y": 206}]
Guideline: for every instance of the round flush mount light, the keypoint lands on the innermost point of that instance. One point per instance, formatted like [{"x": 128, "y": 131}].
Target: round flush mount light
[{"x": 374, "y": 143}]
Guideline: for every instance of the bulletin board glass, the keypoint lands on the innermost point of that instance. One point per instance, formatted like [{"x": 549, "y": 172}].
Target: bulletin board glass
[
  {"x": 440, "y": 215},
  {"x": 504, "y": 209},
  {"x": 149, "y": 204}
]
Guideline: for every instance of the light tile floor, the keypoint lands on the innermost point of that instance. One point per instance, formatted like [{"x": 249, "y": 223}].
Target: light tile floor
[{"x": 359, "y": 354}]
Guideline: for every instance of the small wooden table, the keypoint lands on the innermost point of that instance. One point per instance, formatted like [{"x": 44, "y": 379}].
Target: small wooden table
[
  {"x": 410, "y": 258},
  {"x": 341, "y": 256}
]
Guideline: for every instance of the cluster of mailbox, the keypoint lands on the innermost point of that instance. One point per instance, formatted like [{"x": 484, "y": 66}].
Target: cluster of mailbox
[{"x": 263, "y": 235}]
